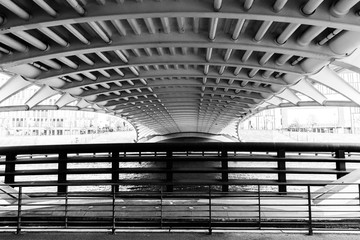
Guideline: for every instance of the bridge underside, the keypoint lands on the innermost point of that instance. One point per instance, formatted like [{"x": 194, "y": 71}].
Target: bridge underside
[{"x": 179, "y": 66}]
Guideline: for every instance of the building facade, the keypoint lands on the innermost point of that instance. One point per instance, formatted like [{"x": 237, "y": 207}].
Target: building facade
[
  {"x": 312, "y": 119},
  {"x": 53, "y": 122}
]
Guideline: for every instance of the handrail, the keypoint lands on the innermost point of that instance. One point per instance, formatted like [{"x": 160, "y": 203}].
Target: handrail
[
  {"x": 158, "y": 147},
  {"x": 163, "y": 161},
  {"x": 206, "y": 209}
]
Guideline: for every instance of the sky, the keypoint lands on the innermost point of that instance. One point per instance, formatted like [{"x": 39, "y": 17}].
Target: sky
[{"x": 323, "y": 115}]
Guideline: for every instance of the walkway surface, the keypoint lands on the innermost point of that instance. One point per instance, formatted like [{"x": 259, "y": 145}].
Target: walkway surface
[{"x": 178, "y": 236}]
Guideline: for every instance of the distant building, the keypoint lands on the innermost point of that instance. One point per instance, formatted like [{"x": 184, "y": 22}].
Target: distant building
[
  {"x": 53, "y": 122},
  {"x": 312, "y": 119}
]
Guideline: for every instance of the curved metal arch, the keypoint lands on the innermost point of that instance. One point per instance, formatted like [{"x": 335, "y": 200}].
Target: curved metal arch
[
  {"x": 189, "y": 40},
  {"x": 187, "y": 121},
  {"x": 154, "y": 123},
  {"x": 157, "y": 124},
  {"x": 143, "y": 61},
  {"x": 185, "y": 94},
  {"x": 230, "y": 112},
  {"x": 193, "y": 89},
  {"x": 182, "y": 73},
  {"x": 236, "y": 111},
  {"x": 161, "y": 119},
  {"x": 175, "y": 83},
  {"x": 177, "y": 107},
  {"x": 223, "y": 118},
  {"x": 261, "y": 11},
  {"x": 230, "y": 107},
  {"x": 215, "y": 98}
]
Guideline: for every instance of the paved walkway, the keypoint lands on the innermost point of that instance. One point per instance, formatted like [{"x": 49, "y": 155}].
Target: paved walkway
[{"x": 178, "y": 236}]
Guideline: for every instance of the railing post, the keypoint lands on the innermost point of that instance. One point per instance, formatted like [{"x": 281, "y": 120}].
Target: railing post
[
  {"x": 18, "y": 228},
  {"x": 259, "y": 208},
  {"x": 113, "y": 209},
  {"x": 62, "y": 172},
  {"x": 169, "y": 173},
  {"x": 210, "y": 211},
  {"x": 66, "y": 209},
  {"x": 309, "y": 210},
  {"x": 224, "y": 174},
  {"x": 340, "y": 164},
  {"x": 281, "y": 163},
  {"x": 115, "y": 170},
  {"x": 10, "y": 168},
  {"x": 161, "y": 207}
]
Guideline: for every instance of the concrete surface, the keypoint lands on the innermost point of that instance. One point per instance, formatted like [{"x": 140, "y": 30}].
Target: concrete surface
[{"x": 178, "y": 236}]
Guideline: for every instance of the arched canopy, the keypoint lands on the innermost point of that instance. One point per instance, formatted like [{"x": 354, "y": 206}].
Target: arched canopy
[{"x": 179, "y": 66}]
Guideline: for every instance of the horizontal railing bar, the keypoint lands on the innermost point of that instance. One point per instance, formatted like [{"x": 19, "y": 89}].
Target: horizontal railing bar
[
  {"x": 156, "y": 194},
  {"x": 159, "y": 147},
  {"x": 181, "y": 159},
  {"x": 176, "y": 170},
  {"x": 178, "y": 183}
]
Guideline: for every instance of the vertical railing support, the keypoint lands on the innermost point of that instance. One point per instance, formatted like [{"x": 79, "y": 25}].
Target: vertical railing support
[
  {"x": 66, "y": 209},
  {"x": 281, "y": 164},
  {"x": 210, "y": 211},
  {"x": 115, "y": 170},
  {"x": 340, "y": 164},
  {"x": 169, "y": 173},
  {"x": 224, "y": 174},
  {"x": 359, "y": 193},
  {"x": 10, "y": 168},
  {"x": 113, "y": 229},
  {"x": 18, "y": 228},
  {"x": 309, "y": 210},
  {"x": 259, "y": 208},
  {"x": 62, "y": 172},
  {"x": 161, "y": 207}
]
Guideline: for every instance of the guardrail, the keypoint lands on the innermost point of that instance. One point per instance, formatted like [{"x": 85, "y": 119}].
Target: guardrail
[
  {"x": 207, "y": 210},
  {"x": 206, "y": 185}
]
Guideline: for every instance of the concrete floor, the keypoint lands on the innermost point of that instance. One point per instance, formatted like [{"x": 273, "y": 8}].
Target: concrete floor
[{"x": 178, "y": 236}]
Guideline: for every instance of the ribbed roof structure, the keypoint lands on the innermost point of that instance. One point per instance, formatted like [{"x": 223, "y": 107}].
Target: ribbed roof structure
[{"x": 178, "y": 66}]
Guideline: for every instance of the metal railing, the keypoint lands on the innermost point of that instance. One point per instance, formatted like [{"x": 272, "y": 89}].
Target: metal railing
[
  {"x": 210, "y": 186},
  {"x": 207, "y": 210}
]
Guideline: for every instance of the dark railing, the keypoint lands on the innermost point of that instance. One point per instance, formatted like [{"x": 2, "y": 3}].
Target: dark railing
[
  {"x": 165, "y": 186},
  {"x": 208, "y": 210}
]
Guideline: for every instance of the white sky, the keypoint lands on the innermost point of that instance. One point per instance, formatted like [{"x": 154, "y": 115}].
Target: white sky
[{"x": 323, "y": 115}]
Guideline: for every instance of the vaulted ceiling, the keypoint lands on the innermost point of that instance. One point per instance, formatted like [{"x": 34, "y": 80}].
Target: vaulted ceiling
[{"x": 175, "y": 66}]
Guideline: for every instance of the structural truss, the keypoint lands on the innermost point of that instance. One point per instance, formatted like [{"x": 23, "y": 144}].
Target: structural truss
[{"x": 179, "y": 66}]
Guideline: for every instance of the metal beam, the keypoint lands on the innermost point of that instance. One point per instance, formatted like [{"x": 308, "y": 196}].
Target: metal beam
[
  {"x": 13, "y": 85},
  {"x": 180, "y": 59},
  {"x": 173, "y": 74},
  {"x": 332, "y": 80},
  {"x": 309, "y": 90},
  {"x": 43, "y": 93},
  {"x": 162, "y": 40},
  {"x": 65, "y": 99},
  {"x": 261, "y": 11}
]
